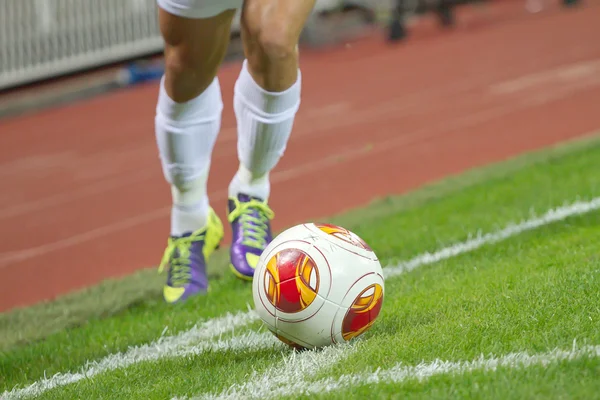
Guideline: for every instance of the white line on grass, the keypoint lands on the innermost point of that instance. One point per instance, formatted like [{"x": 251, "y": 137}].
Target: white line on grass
[
  {"x": 401, "y": 373},
  {"x": 270, "y": 386},
  {"x": 295, "y": 367},
  {"x": 168, "y": 346},
  {"x": 553, "y": 215},
  {"x": 189, "y": 342}
]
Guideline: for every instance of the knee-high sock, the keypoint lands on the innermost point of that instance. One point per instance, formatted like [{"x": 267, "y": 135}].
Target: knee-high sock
[
  {"x": 185, "y": 135},
  {"x": 264, "y": 124}
]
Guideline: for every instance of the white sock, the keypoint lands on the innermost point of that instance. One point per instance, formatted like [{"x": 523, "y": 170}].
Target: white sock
[
  {"x": 244, "y": 182},
  {"x": 190, "y": 208},
  {"x": 264, "y": 124},
  {"x": 186, "y": 135}
]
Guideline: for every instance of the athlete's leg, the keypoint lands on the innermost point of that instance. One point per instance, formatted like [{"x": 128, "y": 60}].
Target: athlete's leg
[
  {"x": 266, "y": 98},
  {"x": 189, "y": 108},
  {"x": 188, "y": 119}
]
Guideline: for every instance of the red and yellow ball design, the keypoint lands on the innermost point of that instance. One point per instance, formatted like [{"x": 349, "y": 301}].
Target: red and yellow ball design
[
  {"x": 363, "y": 312},
  {"x": 291, "y": 280},
  {"x": 343, "y": 234}
]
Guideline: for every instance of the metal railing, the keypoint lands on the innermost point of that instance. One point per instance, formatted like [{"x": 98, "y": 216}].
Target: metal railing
[{"x": 40, "y": 39}]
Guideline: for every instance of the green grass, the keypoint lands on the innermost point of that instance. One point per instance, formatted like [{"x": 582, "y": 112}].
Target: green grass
[{"x": 533, "y": 292}]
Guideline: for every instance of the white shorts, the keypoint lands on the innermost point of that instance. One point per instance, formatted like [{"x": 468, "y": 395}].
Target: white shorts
[{"x": 198, "y": 8}]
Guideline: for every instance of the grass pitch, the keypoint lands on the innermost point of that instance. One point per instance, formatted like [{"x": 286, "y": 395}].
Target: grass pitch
[{"x": 533, "y": 292}]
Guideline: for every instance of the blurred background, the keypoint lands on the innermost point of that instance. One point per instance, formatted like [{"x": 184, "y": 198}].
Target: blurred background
[
  {"x": 397, "y": 94},
  {"x": 42, "y": 39}
]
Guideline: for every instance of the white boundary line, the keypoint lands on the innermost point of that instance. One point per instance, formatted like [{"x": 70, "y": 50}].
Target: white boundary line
[
  {"x": 169, "y": 346},
  {"x": 552, "y": 215},
  {"x": 401, "y": 373},
  {"x": 285, "y": 380},
  {"x": 295, "y": 367},
  {"x": 190, "y": 341}
]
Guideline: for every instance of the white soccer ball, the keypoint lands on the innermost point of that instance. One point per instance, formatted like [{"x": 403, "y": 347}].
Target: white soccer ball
[{"x": 318, "y": 284}]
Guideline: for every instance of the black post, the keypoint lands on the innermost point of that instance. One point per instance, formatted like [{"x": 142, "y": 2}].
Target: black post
[
  {"x": 445, "y": 12},
  {"x": 397, "y": 30}
]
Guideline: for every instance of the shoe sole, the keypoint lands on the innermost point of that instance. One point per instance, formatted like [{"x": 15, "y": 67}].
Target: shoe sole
[{"x": 239, "y": 274}]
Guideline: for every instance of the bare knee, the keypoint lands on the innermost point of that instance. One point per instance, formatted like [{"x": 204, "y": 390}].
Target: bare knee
[
  {"x": 277, "y": 44},
  {"x": 272, "y": 54},
  {"x": 194, "y": 50},
  {"x": 186, "y": 76},
  {"x": 271, "y": 30}
]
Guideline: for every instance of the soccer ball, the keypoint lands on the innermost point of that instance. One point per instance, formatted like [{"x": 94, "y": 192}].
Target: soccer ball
[{"x": 316, "y": 285}]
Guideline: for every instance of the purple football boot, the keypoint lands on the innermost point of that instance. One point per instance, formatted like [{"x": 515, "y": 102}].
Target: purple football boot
[
  {"x": 250, "y": 219},
  {"x": 186, "y": 257}
]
